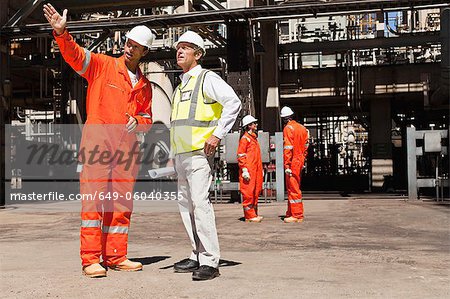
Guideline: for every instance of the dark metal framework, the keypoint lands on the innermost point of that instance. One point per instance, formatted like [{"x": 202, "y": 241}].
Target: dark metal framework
[{"x": 259, "y": 13}]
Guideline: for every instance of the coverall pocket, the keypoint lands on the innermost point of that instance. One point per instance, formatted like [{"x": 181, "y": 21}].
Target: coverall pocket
[{"x": 115, "y": 97}]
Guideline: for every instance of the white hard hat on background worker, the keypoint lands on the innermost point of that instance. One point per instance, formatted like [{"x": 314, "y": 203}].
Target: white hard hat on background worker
[
  {"x": 142, "y": 35},
  {"x": 248, "y": 119},
  {"x": 286, "y": 111},
  {"x": 192, "y": 38}
]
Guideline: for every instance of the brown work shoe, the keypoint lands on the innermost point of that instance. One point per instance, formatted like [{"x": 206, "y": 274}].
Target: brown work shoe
[
  {"x": 254, "y": 219},
  {"x": 94, "y": 271},
  {"x": 127, "y": 265},
  {"x": 292, "y": 219}
]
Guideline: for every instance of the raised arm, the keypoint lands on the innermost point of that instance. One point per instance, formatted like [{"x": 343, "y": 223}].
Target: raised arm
[{"x": 85, "y": 63}]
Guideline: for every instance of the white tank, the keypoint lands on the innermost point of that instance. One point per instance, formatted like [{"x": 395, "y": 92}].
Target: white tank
[{"x": 162, "y": 92}]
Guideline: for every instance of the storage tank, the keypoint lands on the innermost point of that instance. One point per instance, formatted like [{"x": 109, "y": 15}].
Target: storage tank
[{"x": 162, "y": 92}]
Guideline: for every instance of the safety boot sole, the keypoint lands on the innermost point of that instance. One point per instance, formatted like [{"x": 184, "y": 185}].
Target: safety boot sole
[
  {"x": 297, "y": 220},
  {"x": 185, "y": 270},
  {"x": 94, "y": 275},
  {"x": 116, "y": 268}
]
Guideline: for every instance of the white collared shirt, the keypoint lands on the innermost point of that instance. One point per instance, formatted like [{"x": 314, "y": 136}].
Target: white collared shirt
[
  {"x": 214, "y": 87},
  {"x": 134, "y": 78}
]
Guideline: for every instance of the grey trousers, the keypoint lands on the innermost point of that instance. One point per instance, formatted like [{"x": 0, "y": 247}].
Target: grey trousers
[{"x": 197, "y": 213}]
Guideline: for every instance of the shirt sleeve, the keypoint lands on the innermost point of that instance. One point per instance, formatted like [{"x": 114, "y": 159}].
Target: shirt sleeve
[{"x": 217, "y": 89}]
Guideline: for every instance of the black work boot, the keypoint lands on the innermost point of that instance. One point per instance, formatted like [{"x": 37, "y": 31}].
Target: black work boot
[
  {"x": 205, "y": 273},
  {"x": 186, "y": 265}
]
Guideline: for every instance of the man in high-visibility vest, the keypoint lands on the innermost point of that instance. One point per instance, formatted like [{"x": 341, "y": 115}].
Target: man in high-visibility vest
[
  {"x": 204, "y": 108},
  {"x": 295, "y": 138},
  {"x": 119, "y": 98}
]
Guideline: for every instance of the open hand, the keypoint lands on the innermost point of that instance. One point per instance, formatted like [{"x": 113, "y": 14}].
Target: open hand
[{"x": 57, "y": 21}]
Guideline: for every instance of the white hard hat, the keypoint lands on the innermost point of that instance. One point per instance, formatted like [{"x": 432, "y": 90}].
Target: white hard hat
[
  {"x": 286, "y": 111},
  {"x": 248, "y": 119},
  {"x": 142, "y": 35},
  {"x": 192, "y": 38}
]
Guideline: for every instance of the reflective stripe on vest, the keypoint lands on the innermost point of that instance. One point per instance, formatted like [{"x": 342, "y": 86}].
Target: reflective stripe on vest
[{"x": 193, "y": 120}]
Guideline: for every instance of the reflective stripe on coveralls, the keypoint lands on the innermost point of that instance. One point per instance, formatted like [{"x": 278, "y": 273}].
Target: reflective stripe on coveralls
[
  {"x": 91, "y": 223},
  {"x": 86, "y": 62},
  {"x": 295, "y": 200},
  {"x": 115, "y": 229}
]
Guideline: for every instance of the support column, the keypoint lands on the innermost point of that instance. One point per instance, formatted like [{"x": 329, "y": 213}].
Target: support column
[
  {"x": 411, "y": 162},
  {"x": 268, "y": 104},
  {"x": 4, "y": 101},
  {"x": 380, "y": 141},
  {"x": 187, "y": 5},
  {"x": 380, "y": 25},
  {"x": 3, "y": 114},
  {"x": 445, "y": 55}
]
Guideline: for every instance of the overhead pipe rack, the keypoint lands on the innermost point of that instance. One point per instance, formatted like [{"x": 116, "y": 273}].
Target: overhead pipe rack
[{"x": 259, "y": 13}]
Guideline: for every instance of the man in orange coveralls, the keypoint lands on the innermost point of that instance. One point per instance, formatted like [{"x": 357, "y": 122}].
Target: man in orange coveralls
[
  {"x": 295, "y": 150},
  {"x": 250, "y": 166},
  {"x": 118, "y": 99}
]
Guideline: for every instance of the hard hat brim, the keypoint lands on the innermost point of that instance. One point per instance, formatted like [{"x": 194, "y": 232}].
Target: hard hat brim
[
  {"x": 175, "y": 44},
  {"x": 138, "y": 42},
  {"x": 253, "y": 121}
]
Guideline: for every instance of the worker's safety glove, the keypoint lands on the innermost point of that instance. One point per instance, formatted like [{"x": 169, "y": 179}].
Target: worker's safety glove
[
  {"x": 288, "y": 171},
  {"x": 245, "y": 174}
]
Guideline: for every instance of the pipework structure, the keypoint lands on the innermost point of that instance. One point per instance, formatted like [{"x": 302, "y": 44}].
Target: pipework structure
[{"x": 369, "y": 67}]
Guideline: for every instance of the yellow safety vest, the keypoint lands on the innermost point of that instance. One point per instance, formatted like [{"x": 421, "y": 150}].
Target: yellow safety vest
[{"x": 194, "y": 117}]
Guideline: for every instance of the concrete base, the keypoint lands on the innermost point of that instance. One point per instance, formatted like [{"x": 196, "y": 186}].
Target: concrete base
[{"x": 363, "y": 247}]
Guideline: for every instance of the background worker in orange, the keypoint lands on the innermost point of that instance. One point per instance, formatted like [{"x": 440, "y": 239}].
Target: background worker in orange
[
  {"x": 118, "y": 99},
  {"x": 250, "y": 168},
  {"x": 295, "y": 138}
]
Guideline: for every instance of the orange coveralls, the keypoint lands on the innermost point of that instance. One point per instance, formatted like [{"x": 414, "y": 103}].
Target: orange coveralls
[
  {"x": 110, "y": 95},
  {"x": 295, "y": 150},
  {"x": 249, "y": 156}
]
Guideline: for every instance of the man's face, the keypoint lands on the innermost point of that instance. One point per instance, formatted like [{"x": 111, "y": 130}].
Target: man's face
[
  {"x": 286, "y": 119},
  {"x": 253, "y": 126},
  {"x": 187, "y": 56},
  {"x": 134, "y": 51}
]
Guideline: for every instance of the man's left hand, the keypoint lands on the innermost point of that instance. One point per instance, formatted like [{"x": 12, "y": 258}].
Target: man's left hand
[
  {"x": 211, "y": 145},
  {"x": 131, "y": 124}
]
